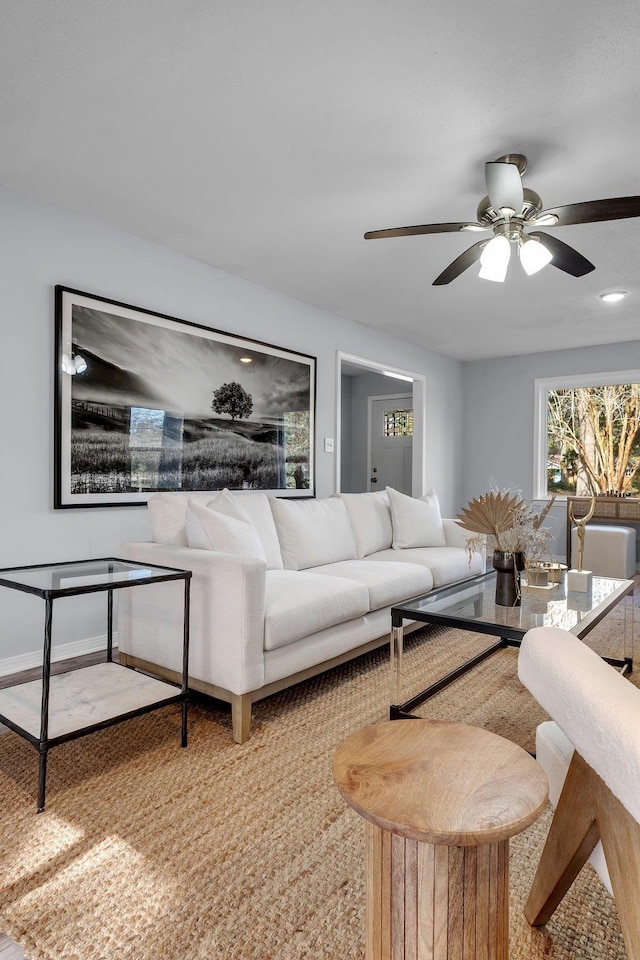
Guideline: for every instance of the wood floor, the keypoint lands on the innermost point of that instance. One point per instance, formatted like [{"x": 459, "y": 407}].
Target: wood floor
[{"x": 9, "y": 950}]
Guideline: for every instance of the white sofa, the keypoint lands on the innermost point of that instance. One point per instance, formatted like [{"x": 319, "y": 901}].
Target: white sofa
[{"x": 282, "y": 589}]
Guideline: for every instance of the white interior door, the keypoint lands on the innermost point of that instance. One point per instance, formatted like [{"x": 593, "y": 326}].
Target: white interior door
[{"x": 390, "y": 443}]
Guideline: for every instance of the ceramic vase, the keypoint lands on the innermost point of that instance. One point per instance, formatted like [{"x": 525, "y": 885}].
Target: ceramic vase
[{"x": 508, "y": 567}]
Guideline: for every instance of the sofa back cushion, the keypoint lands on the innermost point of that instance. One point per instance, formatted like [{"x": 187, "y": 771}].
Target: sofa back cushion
[
  {"x": 416, "y": 522},
  {"x": 313, "y": 532},
  {"x": 224, "y": 526},
  {"x": 167, "y": 512},
  {"x": 258, "y": 509},
  {"x": 370, "y": 518}
]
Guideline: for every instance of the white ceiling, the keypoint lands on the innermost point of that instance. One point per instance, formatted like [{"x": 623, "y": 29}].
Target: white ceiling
[{"x": 266, "y": 136}]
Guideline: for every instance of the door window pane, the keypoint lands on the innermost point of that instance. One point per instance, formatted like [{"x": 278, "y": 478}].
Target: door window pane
[{"x": 398, "y": 423}]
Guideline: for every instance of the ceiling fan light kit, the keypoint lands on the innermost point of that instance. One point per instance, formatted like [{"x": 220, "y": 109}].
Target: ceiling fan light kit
[
  {"x": 494, "y": 259},
  {"x": 507, "y": 209},
  {"x": 533, "y": 255}
]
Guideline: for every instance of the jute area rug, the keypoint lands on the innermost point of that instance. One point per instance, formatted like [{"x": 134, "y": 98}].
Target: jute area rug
[{"x": 227, "y": 852}]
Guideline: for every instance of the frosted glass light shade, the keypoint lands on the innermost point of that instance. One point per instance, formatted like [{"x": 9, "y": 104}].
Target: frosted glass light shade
[
  {"x": 495, "y": 259},
  {"x": 74, "y": 364},
  {"x": 534, "y": 256}
]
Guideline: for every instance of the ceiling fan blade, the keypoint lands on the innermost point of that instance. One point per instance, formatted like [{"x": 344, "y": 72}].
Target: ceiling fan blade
[
  {"x": 423, "y": 228},
  {"x": 504, "y": 185},
  {"x": 564, "y": 257},
  {"x": 460, "y": 264},
  {"x": 593, "y": 211}
]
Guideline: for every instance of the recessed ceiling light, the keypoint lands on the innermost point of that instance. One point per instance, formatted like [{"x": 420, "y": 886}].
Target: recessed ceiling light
[
  {"x": 246, "y": 359},
  {"x": 613, "y": 296}
]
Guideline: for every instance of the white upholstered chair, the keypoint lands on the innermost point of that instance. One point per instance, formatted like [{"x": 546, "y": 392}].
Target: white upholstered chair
[{"x": 595, "y": 738}]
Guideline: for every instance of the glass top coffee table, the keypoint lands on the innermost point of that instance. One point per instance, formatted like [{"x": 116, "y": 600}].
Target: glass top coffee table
[{"x": 470, "y": 605}]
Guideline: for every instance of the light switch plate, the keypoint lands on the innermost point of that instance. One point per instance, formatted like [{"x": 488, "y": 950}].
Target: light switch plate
[{"x": 328, "y": 444}]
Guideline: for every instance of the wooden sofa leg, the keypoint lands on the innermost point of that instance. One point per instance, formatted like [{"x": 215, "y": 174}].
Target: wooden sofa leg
[{"x": 241, "y": 716}]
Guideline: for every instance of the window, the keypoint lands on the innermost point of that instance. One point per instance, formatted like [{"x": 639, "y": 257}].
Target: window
[
  {"x": 398, "y": 423},
  {"x": 587, "y": 435}
]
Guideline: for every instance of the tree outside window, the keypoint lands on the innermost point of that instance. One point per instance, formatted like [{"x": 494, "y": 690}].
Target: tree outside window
[{"x": 593, "y": 440}]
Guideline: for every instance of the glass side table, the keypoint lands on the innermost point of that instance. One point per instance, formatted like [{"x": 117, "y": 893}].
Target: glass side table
[{"x": 68, "y": 705}]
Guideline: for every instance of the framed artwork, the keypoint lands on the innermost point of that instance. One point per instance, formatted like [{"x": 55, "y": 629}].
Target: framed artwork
[{"x": 146, "y": 403}]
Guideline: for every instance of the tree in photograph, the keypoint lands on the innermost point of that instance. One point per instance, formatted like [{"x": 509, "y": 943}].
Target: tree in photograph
[
  {"x": 596, "y": 433},
  {"x": 233, "y": 399}
]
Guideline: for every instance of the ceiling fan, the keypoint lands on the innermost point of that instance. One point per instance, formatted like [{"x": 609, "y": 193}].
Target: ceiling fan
[{"x": 506, "y": 210}]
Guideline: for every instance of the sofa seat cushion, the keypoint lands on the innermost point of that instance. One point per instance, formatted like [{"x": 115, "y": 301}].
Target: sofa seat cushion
[
  {"x": 387, "y": 583},
  {"x": 447, "y": 564},
  {"x": 298, "y": 603}
]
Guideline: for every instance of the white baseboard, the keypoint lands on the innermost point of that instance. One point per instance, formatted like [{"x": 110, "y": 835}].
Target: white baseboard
[{"x": 63, "y": 651}]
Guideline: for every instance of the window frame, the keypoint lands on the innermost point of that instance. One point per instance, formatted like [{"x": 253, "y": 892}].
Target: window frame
[{"x": 542, "y": 386}]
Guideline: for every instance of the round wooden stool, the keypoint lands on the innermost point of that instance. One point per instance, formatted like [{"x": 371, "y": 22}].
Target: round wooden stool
[{"x": 441, "y": 801}]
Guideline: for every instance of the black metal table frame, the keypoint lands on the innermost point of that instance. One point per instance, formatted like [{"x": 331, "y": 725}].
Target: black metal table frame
[
  {"x": 508, "y": 637},
  {"x": 44, "y": 743}
]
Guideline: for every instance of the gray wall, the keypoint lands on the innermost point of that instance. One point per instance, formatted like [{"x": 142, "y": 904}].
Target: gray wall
[
  {"x": 40, "y": 246},
  {"x": 361, "y": 388},
  {"x": 499, "y": 412}
]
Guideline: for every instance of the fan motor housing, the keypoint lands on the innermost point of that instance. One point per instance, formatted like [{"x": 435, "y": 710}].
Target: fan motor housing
[{"x": 531, "y": 205}]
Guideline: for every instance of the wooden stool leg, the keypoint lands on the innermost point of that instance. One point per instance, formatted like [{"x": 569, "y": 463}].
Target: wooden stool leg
[{"x": 436, "y": 901}]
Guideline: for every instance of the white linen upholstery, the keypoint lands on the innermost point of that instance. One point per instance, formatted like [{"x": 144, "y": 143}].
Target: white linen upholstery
[
  {"x": 167, "y": 513},
  {"x": 242, "y": 640},
  {"x": 370, "y": 518},
  {"x": 227, "y": 612},
  {"x": 313, "y": 532},
  {"x": 223, "y": 526},
  {"x": 416, "y": 522},
  {"x": 447, "y": 564},
  {"x": 320, "y": 647},
  {"x": 298, "y": 603},
  {"x": 553, "y": 753},
  {"x": 257, "y": 506},
  {"x": 386, "y": 584},
  {"x": 595, "y": 707}
]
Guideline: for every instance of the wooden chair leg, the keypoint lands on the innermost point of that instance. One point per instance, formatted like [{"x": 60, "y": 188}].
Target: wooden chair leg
[
  {"x": 587, "y": 811},
  {"x": 621, "y": 843},
  {"x": 241, "y": 716},
  {"x": 573, "y": 834}
]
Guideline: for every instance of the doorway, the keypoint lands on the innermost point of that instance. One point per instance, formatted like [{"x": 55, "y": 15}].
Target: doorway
[
  {"x": 390, "y": 442},
  {"x": 396, "y": 460}
]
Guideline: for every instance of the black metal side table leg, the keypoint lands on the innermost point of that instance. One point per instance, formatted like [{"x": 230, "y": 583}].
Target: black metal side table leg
[
  {"x": 185, "y": 657},
  {"x": 44, "y": 707},
  {"x": 42, "y": 778},
  {"x": 183, "y": 740}
]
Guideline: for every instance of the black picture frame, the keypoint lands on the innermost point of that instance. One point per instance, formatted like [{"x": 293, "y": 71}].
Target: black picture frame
[{"x": 146, "y": 402}]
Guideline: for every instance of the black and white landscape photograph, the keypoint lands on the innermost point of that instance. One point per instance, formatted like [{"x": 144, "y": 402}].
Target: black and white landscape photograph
[{"x": 148, "y": 403}]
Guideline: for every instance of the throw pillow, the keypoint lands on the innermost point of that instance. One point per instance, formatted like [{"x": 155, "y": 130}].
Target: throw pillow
[
  {"x": 416, "y": 522},
  {"x": 215, "y": 527}
]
